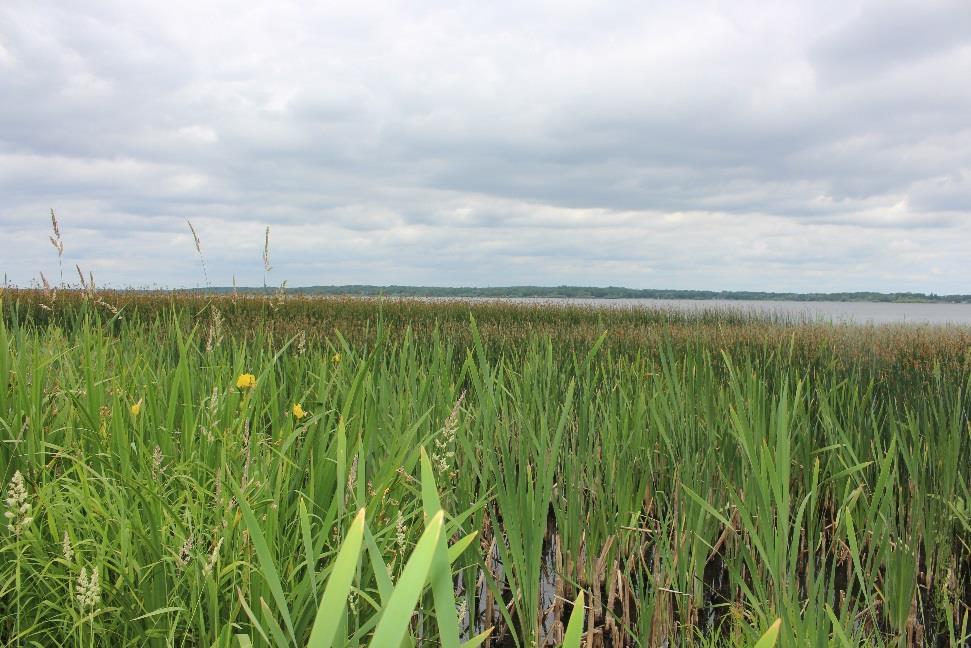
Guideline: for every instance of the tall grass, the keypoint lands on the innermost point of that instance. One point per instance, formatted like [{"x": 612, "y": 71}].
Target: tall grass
[{"x": 677, "y": 480}]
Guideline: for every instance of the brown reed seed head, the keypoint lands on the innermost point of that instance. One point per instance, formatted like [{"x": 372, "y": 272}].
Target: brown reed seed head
[
  {"x": 56, "y": 240},
  {"x": 195, "y": 237},
  {"x": 266, "y": 250}
]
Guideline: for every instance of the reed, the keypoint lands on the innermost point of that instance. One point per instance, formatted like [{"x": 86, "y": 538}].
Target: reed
[{"x": 591, "y": 478}]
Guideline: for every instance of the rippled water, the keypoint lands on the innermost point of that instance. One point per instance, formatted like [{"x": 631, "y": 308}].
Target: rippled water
[{"x": 848, "y": 312}]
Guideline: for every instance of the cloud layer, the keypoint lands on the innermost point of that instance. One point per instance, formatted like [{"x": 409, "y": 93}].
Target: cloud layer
[{"x": 745, "y": 145}]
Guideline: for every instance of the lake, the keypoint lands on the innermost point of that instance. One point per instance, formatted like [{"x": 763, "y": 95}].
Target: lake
[{"x": 837, "y": 312}]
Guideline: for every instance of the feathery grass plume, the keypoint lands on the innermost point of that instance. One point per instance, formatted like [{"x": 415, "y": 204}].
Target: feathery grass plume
[
  {"x": 247, "y": 453},
  {"x": 217, "y": 491},
  {"x": 91, "y": 290},
  {"x": 400, "y": 540},
  {"x": 18, "y": 508},
  {"x": 50, "y": 294},
  {"x": 110, "y": 307},
  {"x": 184, "y": 556},
  {"x": 157, "y": 459},
  {"x": 66, "y": 549},
  {"x": 58, "y": 244},
  {"x": 84, "y": 283},
  {"x": 443, "y": 453},
  {"x": 87, "y": 591},
  {"x": 351, "y": 479},
  {"x": 266, "y": 251},
  {"x": 462, "y": 609},
  {"x": 213, "y": 558},
  {"x": 214, "y": 335},
  {"x": 211, "y": 410},
  {"x": 266, "y": 260},
  {"x": 400, "y": 531},
  {"x": 202, "y": 259},
  {"x": 281, "y": 296}
]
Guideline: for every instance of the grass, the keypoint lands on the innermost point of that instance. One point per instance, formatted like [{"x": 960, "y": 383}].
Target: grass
[{"x": 609, "y": 478}]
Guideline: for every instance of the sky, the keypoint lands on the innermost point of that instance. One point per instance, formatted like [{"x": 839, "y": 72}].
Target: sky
[{"x": 740, "y": 145}]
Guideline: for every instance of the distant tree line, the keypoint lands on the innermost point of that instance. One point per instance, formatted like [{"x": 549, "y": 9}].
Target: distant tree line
[{"x": 616, "y": 292}]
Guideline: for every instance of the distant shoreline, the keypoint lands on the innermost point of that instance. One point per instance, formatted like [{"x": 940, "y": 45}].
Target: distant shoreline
[{"x": 609, "y": 292}]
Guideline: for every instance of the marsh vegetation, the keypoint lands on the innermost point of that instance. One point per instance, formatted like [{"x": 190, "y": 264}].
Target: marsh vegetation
[{"x": 201, "y": 470}]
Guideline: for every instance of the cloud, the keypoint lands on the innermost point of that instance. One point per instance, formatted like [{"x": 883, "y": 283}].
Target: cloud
[
  {"x": 884, "y": 34},
  {"x": 812, "y": 146}
]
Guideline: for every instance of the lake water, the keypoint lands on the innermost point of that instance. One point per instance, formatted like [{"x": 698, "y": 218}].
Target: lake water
[{"x": 837, "y": 312}]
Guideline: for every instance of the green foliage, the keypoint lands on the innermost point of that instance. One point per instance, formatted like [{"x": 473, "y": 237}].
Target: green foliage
[{"x": 678, "y": 480}]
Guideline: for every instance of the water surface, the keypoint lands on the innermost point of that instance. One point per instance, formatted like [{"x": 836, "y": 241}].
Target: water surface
[{"x": 836, "y": 312}]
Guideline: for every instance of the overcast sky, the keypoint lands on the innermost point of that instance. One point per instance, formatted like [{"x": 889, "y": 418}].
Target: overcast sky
[{"x": 816, "y": 145}]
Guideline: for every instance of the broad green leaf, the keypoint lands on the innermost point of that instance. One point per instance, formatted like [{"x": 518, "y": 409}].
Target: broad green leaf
[
  {"x": 309, "y": 557},
  {"x": 770, "y": 637},
  {"x": 477, "y": 639},
  {"x": 394, "y": 622},
  {"x": 460, "y": 546},
  {"x": 275, "y": 630},
  {"x": 267, "y": 568},
  {"x": 338, "y": 588},
  {"x": 441, "y": 574},
  {"x": 574, "y": 627}
]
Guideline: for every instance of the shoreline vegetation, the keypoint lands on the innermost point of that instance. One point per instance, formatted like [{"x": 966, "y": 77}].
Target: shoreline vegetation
[
  {"x": 292, "y": 470},
  {"x": 610, "y": 292}
]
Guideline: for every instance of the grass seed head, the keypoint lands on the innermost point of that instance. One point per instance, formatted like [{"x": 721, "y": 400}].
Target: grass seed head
[
  {"x": 157, "y": 459},
  {"x": 18, "y": 513},
  {"x": 88, "y": 590},
  {"x": 213, "y": 558},
  {"x": 184, "y": 557},
  {"x": 66, "y": 549},
  {"x": 266, "y": 251}
]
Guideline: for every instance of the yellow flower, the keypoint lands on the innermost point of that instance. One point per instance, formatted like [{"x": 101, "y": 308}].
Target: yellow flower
[
  {"x": 336, "y": 359},
  {"x": 246, "y": 381},
  {"x": 298, "y": 411},
  {"x": 136, "y": 408}
]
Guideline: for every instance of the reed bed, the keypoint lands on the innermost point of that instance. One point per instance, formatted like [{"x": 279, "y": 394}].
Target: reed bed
[{"x": 273, "y": 470}]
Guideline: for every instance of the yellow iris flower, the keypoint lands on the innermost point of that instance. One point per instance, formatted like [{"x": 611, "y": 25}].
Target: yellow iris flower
[
  {"x": 246, "y": 381},
  {"x": 298, "y": 411}
]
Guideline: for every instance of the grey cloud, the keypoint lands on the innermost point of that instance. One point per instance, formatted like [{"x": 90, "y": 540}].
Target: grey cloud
[
  {"x": 500, "y": 143},
  {"x": 886, "y": 33},
  {"x": 950, "y": 193}
]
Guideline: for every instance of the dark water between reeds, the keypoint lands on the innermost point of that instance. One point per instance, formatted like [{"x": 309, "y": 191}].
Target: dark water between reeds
[{"x": 835, "y": 312}]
